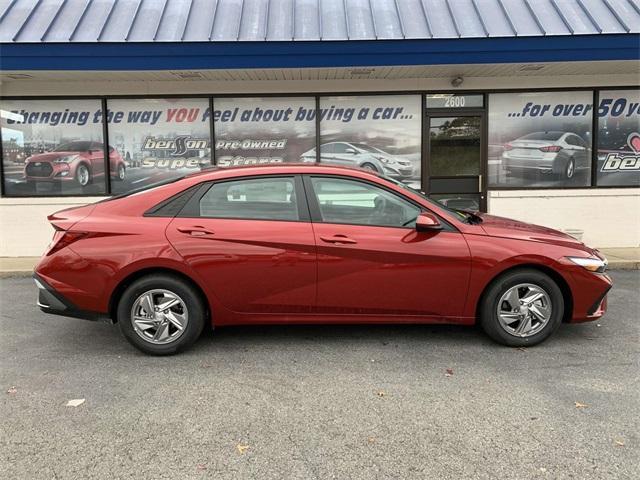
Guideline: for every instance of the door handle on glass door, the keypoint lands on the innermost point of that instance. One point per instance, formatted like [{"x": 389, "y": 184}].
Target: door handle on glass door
[
  {"x": 338, "y": 239},
  {"x": 196, "y": 231}
]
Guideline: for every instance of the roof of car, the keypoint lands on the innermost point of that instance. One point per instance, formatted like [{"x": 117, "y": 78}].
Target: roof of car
[{"x": 280, "y": 168}]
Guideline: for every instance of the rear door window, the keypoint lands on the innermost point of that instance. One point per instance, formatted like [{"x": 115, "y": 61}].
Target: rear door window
[{"x": 257, "y": 199}]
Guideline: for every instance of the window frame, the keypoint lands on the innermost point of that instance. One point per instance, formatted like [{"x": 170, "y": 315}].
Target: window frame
[
  {"x": 192, "y": 207},
  {"x": 316, "y": 212}
]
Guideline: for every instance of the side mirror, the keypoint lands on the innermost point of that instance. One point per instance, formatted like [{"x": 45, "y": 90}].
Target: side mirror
[
  {"x": 351, "y": 150},
  {"x": 427, "y": 222}
]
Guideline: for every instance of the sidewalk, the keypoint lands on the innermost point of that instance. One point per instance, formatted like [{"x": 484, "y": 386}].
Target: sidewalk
[{"x": 619, "y": 259}]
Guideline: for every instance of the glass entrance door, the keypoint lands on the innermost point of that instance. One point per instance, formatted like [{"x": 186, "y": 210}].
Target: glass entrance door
[{"x": 455, "y": 169}]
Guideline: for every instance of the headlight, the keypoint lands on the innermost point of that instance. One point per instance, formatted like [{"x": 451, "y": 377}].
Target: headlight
[
  {"x": 590, "y": 263},
  {"x": 67, "y": 159},
  {"x": 382, "y": 159}
]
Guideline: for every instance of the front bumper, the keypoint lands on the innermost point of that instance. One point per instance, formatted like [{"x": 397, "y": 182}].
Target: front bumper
[{"x": 51, "y": 301}]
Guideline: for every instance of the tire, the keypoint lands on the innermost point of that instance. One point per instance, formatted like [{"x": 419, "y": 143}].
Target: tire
[
  {"x": 501, "y": 333},
  {"x": 369, "y": 166},
  {"x": 120, "y": 173},
  {"x": 83, "y": 175},
  {"x": 570, "y": 169},
  {"x": 139, "y": 335}
]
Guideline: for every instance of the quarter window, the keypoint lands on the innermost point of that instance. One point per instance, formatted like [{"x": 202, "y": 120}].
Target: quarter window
[
  {"x": 358, "y": 203},
  {"x": 258, "y": 199}
]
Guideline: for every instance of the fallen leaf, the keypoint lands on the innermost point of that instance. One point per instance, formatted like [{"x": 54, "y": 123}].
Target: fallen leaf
[
  {"x": 620, "y": 443},
  {"x": 580, "y": 405},
  {"x": 448, "y": 372},
  {"x": 242, "y": 448},
  {"x": 381, "y": 393},
  {"x": 201, "y": 467},
  {"x": 12, "y": 390},
  {"x": 542, "y": 469},
  {"x": 371, "y": 439},
  {"x": 75, "y": 402}
]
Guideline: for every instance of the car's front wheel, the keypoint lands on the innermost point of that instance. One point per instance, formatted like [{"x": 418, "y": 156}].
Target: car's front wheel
[
  {"x": 522, "y": 308},
  {"x": 369, "y": 166},
  {"x": 161, "y": 314},
  {"x": 121, "y": 172},
  {"x": 82, "y": 175}
]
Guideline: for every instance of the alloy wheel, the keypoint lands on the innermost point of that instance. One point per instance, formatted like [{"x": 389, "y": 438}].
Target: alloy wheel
[
  {"x": 159, "y": 316},
  {"x": 121, "y": 172},
  {"x": 83, "y": 175},
  {"x": 524, "y": 310},
  {"x": 571, "y": 169}
]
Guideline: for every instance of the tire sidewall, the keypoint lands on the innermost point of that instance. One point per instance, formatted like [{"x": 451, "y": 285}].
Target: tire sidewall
[
  {"x": 188, "y": 294},
  {"x": 489, "y": 318}
]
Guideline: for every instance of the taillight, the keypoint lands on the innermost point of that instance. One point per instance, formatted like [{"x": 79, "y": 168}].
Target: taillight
[
  {"x": 551, "y": 148},
  {"x": 508, "y": 147},
  {"x": 63, "y": 239}
]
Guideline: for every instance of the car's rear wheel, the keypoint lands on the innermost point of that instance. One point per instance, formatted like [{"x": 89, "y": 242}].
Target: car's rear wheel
[
  {"x": 82, "y": 175},
  {"x": 570, "y": 169},
  {"x": 161, "y": 314},
  {"x": 522, "y": 308}
]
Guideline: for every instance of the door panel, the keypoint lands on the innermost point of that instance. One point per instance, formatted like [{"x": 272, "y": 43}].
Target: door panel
[
  {"x": 394, "y": 271},
  {"x": 371, "y": 260},
  {"x": 251, "y": 265},
  {"x": 251, "y": 241}
]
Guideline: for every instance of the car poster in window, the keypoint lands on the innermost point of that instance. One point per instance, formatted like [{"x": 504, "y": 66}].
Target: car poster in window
[
  {"x": 540, "y": 139},
  {"x": 252, "y": 131},
  {"x": 376, "y": 132},
  {"x": 619, "y": 138},
  {"x": 158, "y": 138},
  {"x": 53, "y": 147}
]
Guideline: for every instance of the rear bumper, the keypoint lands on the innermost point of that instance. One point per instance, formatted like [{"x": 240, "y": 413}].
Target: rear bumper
[{"x": 51, "y": 301}]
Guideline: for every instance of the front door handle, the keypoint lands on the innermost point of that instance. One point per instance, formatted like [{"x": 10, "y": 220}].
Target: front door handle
[
  {"x": 195, "y": 231},
  {"x": 338, "y": 239}
]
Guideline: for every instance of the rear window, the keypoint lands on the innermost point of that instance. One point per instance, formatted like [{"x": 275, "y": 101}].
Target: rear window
[{"x": 543, "y": 136}]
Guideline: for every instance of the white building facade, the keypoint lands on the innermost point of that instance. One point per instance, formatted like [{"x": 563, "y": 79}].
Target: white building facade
[{"x": 528, "y": 110}]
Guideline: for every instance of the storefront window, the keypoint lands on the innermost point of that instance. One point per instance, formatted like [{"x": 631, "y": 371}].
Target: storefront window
[
  {"x": 619, "y": 138},
  {"x": 52, "y": 147},
  {"x": 153, "y": 140},
  {"x": 375, "y": 132},
  {"x": 540, "y": 139},
  {"x": 252, "y": 131}
]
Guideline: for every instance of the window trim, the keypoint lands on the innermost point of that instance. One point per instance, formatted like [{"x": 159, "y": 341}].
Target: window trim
[
  {"x": 192, "y": 207},
  {"x": 316, "y": 214}
]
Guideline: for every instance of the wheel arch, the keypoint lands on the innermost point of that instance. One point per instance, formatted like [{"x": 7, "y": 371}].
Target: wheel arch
[
  {"x": 553, "y": 274},
  {"x": 133, "y": 276}
]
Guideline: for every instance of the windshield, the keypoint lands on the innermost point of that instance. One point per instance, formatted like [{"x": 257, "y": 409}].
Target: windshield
[
  {"x": 80, "y": 146},
  {"x": 366, "y": 148}
]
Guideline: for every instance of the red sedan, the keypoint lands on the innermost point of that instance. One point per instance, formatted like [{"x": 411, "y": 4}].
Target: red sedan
[{"x": 309, "y": 244}]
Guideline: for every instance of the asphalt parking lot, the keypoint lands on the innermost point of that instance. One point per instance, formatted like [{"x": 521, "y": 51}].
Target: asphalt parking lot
[{"x": 319, "y": 402}]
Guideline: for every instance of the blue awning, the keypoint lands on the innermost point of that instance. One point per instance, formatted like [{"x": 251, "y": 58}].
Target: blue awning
[{"x": 210, "y": 34}]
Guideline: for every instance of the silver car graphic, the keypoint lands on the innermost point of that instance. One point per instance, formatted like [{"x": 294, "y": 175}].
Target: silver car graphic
[
  {"x": 361, "y": 155},
  {"x": 553, "y": 152}
]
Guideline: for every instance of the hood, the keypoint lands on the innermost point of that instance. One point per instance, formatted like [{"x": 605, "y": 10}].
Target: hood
[
  {"x": 49, "y": 156},
  {"x": 509, "y": 228}
]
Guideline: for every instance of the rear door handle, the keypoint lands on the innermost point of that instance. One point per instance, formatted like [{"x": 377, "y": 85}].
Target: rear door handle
[
  {"x": 196, "y": 231},
  {"x": 338, "y": 239}
]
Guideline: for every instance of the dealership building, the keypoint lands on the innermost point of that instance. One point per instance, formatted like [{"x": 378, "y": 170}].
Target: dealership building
[{"x": 522, "y": 108}]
